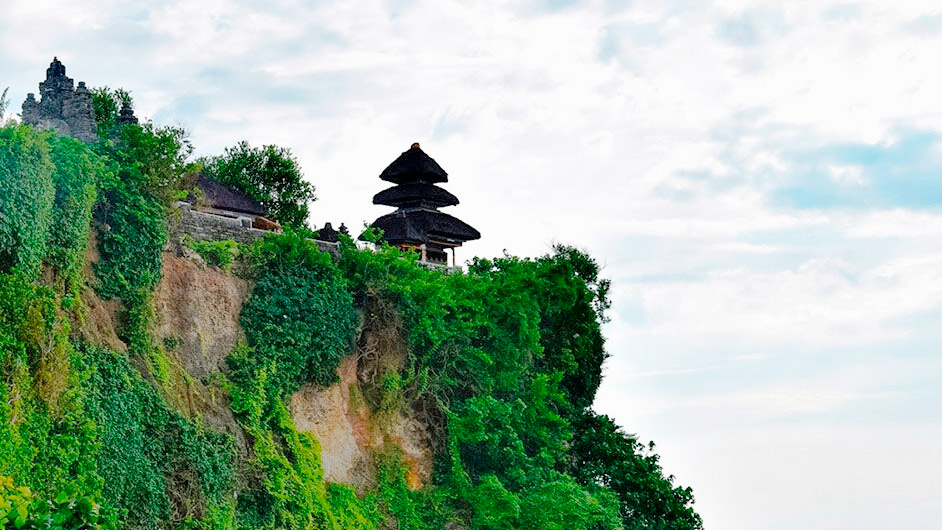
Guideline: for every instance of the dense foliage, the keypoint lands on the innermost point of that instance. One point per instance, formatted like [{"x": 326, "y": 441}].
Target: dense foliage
[
  {"x": 145, "y": 165},
  {"x": 26, "y": 198},
  {"x": 269, "y": 174},
  {"x": 501, "y": 363},
  {"x": 76, "y": 178},
  {"x": 107, "y": 103},
  {"x": 20, "y": 508},
  {"x": 511, "y": 352},
  {"x": 300, "y": 320}
]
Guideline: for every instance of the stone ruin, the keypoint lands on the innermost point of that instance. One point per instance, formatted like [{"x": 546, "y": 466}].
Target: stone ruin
[{"x": 61, "y": 107}]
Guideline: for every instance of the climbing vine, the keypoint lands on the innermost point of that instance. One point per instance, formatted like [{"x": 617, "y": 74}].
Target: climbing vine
[{"x": 26, "y": 198}]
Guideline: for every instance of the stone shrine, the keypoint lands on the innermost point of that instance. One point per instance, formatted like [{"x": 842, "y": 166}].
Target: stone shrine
[{"x": 61, "y": 107}]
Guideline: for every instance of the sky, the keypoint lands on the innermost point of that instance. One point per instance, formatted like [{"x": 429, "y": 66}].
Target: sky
[{"x": 762, "y": 182}]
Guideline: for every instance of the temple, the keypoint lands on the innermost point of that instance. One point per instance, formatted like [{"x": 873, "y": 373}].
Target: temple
[
  {"x": 417, "y": 224},
  {"x": 126, "y": 114},
  {"x": 61, "y": 107}
]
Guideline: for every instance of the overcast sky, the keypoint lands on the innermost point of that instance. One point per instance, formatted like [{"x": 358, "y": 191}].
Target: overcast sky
[{"x": 761, "y": 181}]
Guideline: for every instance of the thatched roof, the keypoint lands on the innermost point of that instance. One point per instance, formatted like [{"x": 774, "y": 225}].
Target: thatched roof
[
  {"x": 423, "y": 226},
  {"x": 224, "y": 197},
  {"x": 415, "y": 193},
  {"x": 414, "y": 166}
]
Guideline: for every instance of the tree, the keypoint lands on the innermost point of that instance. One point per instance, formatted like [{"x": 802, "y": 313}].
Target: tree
[
  {"x": 107, "y": 104},
  {"x": 269, "y": 174},
  {"x": 602, "y": 454},
  {"x": 571, "y": 300}
]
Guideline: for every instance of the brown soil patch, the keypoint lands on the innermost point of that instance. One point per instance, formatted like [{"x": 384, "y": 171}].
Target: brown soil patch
[
  {"x": 98, "y": 323},
  {"x": 198, "y": 314}
]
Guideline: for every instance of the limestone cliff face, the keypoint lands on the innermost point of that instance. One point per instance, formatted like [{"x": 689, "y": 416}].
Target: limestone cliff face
[
  {"x": 351, "y": 433},
  {"x": 197, "y": 309}
]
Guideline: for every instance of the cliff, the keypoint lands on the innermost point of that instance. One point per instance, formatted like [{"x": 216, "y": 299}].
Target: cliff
[{"x": 155, "y": 381}]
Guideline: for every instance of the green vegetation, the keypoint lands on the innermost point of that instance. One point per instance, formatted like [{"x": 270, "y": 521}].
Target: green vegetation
[
  {"x": 269, "y": 174},
  {"x": 511, "y": 353},
  {"x": 107, "y": 104},
  {"x": 27, "y": 192},
  {"x": 23, "y": 510},
  {"x": 145, "y": 166},
  {"x": 500, "y": 364},
  {"x": 218, "y": 253},
  {"x": 300, "y": 320}
]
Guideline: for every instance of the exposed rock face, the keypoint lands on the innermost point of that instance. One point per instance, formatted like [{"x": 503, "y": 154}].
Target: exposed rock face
[
  {"x": 100, "y": 324},
  {"x": 198, "y": 311},
  {"x": 351, "y": 434},
  {"x": 61, "y": 107}
]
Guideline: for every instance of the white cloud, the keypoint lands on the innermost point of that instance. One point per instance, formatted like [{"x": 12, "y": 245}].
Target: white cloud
[
  {"x": 895, "y": 223},
  {"x": 822, "y": 302},
  {"x": 844, "y": 174}
]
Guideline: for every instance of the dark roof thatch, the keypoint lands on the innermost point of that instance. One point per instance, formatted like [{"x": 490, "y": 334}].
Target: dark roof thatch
[
  {"x": 414, "y": 166},
  {"x": 415, "y": 192},
  {"x": 224, "y": 197},
  {"x": 422, "y": 226}
]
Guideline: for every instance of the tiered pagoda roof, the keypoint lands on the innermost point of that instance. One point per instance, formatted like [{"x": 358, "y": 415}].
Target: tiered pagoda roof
[
  {"x": 415, "y": 194},
  {"x": 414, "y": 166},
  {"x": 417, "y": 220}
]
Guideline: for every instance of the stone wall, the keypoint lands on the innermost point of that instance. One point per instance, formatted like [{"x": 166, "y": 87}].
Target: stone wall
[{"x": 204, "y": 226}]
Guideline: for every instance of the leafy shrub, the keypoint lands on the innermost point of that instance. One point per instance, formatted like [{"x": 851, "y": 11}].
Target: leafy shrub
[
  {"x": 21, "y": 509},
  {"x": 603, "y": 454},
  {"x": 219, "y": 253},
  {"x": 144, "y": 443},
  {"x": 411, "y": 510},
  {"x": 77, "y": 171},
  {"x": 562, "y": 504},
  {"x": 134, "y": 229}
]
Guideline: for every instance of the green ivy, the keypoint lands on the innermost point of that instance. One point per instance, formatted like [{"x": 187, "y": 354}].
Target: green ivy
[
  {"x": 145, "y": 445},
  {"x": 300, "y": 319},
  {"x": 412, "y": 510},
  {"x": 26, "y": 198},
  {"x": 77, "y": 172},
  {"x": 21, "y": 509}
]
